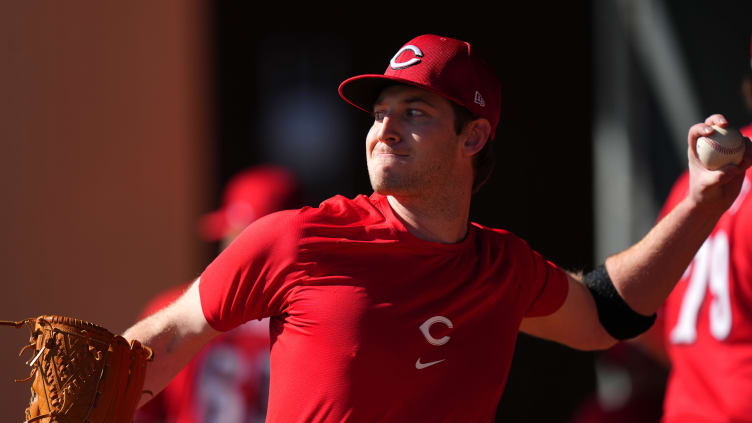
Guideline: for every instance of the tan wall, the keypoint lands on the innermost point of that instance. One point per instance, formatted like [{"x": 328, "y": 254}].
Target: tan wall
[{"x": 103, "y": 165}]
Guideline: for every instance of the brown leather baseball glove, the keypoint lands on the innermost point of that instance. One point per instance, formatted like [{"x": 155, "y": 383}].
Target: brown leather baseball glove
[{"x": 82, "y": 372}]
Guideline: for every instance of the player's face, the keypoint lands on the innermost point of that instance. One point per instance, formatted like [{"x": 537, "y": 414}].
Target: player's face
[{"x": 412, "y": 145}]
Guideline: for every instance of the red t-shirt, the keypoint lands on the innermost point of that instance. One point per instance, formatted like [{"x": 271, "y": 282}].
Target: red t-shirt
[
  {"x": 708, "y": 322},
  {"x": 370, "y": 323}
]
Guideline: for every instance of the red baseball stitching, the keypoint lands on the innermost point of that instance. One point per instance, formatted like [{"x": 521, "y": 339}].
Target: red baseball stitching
[{"x": 721, "y": 149}]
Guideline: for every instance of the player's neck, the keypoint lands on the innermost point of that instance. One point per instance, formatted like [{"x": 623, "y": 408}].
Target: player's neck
[{"x": 438, "y": 220}]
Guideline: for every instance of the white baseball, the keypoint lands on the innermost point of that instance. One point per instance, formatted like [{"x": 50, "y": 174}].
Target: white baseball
[{"x": 724, "y": 146}]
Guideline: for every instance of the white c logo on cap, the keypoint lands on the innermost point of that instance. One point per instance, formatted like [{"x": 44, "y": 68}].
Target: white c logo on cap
[
  {"x": 424, "y": 328},
  {"x": 402, "y": 65}
]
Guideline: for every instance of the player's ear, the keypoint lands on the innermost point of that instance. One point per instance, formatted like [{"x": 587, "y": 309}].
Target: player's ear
[{"x": 475, "y": 136}]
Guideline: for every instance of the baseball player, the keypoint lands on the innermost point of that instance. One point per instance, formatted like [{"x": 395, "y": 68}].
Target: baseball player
[
  {"x": 227, "y": 382},
  {"x": 393, "y": 306},
  {"x": 707, "y": 319}
]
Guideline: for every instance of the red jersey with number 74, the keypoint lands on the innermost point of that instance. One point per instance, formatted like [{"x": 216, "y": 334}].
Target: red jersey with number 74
[{"x": 708, "y": 321}]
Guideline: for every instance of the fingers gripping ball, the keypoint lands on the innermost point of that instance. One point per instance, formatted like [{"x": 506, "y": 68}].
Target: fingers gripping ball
[
  {"x": 82, "y": 372},
  {"x": 724, "y": 146}
]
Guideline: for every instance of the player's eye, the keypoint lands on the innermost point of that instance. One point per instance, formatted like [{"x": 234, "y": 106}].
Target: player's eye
[
  {"x": 415, "y": 112},
  {"x": 379, "y": 115}
]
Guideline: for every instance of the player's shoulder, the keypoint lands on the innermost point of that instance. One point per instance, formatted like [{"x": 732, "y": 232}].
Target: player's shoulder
[
  {"x": 333, "y": 218},
  {"x": 501, "y": 238},
  {"x": 278, "y": 219},
  {"x": 507, "y": 251},
  {"x": 342, "y": 212},
  {"x": 488, "y": 231},
  {"x": 340, "y": 219},
  {"x": 344, "y": 209}
]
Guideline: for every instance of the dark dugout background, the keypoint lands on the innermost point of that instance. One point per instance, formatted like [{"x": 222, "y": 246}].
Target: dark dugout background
[{"x": 274, "y": 77}]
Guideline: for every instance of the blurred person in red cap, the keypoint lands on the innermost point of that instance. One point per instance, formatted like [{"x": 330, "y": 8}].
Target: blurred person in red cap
[
  {"x": 393, "y": 306},
  {"x": 249, "y": 195},
  {"x": 228, "y": 381}
]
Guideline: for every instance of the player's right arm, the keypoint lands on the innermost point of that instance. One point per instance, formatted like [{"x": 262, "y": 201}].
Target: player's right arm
[
  {"x": 248, "y": 280},
  {"x": 175, "y": 334}
]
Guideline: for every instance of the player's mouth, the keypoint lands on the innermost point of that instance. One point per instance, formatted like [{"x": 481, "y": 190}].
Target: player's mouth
[{"x": 389, "y": 155}]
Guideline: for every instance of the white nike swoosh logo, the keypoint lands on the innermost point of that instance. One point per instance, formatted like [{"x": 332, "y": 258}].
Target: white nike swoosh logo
[{"x": 421, "y": 366}]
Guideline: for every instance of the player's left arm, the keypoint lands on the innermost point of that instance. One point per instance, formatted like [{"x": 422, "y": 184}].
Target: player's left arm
[
  {"x": 642, "y": 276},
  {"x": 640, "y": 279},
  {"x": 575, "y": 323}
]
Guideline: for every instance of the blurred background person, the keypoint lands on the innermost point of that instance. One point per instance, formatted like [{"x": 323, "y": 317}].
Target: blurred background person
[
  {"x": 695, "y": 364},
  {"x": 228, "y": 381},
  {"x": 630, "y": 387},
  {"x": 707, "y": 319}
]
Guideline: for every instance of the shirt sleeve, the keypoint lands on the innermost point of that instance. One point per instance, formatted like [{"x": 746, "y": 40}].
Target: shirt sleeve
[
  {"x": 251, "y": 277},
  {"x": 544, "y": 285},
  {"x": 553, "y": 287}
]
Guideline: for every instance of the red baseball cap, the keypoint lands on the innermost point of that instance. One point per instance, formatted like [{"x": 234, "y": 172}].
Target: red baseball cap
[
  {"x": 442, "y": 65},
  {"x": 249, "y": 195}
]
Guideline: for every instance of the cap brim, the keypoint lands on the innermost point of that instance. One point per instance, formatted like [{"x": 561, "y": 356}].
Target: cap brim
[{"x": 362, "y": 91}]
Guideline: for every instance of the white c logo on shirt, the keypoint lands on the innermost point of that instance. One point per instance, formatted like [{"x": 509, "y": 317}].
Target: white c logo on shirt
[
  {"x": 401, "y": 65},
  {"x": 426, "y": 326}
]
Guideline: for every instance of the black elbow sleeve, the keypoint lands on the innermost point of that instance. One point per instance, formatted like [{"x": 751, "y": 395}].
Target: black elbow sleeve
[{"x": 615, "y": 315}]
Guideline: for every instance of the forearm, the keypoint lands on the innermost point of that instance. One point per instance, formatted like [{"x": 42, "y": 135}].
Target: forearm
[
  {"x": 175, "y": 334},
  {"x": 645, "y": 273}
]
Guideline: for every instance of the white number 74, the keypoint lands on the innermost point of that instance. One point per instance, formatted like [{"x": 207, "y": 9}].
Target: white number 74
[{"x": 709, "y": 272}]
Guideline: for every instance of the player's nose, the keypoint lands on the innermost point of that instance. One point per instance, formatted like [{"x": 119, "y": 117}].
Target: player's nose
[{"x": 388, "y": 131}]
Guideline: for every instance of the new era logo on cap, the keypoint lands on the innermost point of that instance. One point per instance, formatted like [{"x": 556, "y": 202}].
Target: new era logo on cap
[
  {"x": 442, "y": 65},
  {"x": 479, "y": 99}
]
